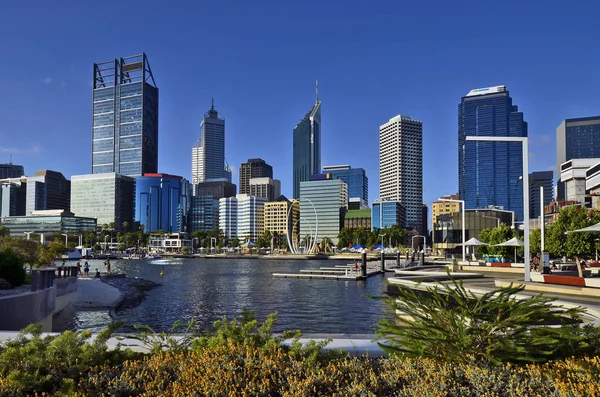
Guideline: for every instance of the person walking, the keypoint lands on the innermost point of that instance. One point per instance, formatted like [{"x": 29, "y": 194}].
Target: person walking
[
  {"x": 107, "y": 264},
  {"x": 86, "y": 268},
  {"x": 79, "y": 268}
]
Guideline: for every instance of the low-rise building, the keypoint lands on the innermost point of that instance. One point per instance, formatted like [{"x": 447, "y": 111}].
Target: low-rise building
[
  {"x": 280, "y": 215},
  {"x": 169, "y": 242},
  {"x": 387, "y": 213},
  {"x": 48, "y": 221},
  {"x": 355, "y": 219}
]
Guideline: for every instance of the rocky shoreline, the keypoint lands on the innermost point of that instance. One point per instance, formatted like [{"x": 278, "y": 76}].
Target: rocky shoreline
[{"x": 133, "y": 290}]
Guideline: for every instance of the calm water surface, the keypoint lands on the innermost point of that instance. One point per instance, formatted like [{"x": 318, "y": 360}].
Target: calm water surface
[{"x": 210, "y": 289}]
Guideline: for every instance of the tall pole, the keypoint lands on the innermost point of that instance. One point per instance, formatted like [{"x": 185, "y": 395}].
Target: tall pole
[
  {"x": 525, "y": 147},
  {"x": 542, "y": 223}
]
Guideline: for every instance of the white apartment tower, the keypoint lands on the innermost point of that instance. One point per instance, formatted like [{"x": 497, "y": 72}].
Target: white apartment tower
[{"x": 401, "y": 166}]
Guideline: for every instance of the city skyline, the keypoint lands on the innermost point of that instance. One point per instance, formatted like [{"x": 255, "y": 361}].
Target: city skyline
[{"x": 271, "y": 78}]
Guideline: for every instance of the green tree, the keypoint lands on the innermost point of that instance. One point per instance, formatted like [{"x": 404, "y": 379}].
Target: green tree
[
  {"x": 235, "y": 242},
  {"x": 4, "y": 231},
  {"x": 11, "y": 267},
  {"x": 494, "y": 236},
  {"x": 535, "y": 241},
  {"x": 344, "y": 238},
  {"x": 573, "y": 244},
  {"x": 125, "y": 226}
]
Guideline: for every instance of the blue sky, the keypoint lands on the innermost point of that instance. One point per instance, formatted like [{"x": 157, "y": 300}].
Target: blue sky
[{"x": 260, "y": 59}]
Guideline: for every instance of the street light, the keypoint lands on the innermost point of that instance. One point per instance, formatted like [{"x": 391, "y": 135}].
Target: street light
[
  {"x": 542, "y": 217},
  {"x": 66, "y": 239},
  {"x": 492, "y": 217},
  {"x": 525, "y": 149},
  {"x": 28, "y": 234},
  {"x": 382, "y": 236},
  {"x": 463, "y": 222},
  {"x": 195, "y": 247}
]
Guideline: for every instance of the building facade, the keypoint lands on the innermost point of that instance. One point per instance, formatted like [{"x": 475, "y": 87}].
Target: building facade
[
  {"x": 281, "y": 214},
  {"x": 539, "y": 179},
  {"x": 266, "y": 188},
  {"x": 401, "y": 166},
  {"x": 573, "y": 178},
  {"x": 125, "y": 117},
  {"x": 208, "y": 153},
  {"x": 48, "y": 221},
  {"x": 253, "y": 168},
  {"x": 490, "y": 173},
  {"x": 47, "y": 190},
  {"x": 162, "y": 202},
  {"x": 107, "y": 197},
  {"x": 204, "y": 213},
  {"x": 13, "y": 196},
  {"x": 355, "y": 219},
  {"x": 355, "y": 178},
  {"x": 577, "y": 138},
  {"x": 11, "y": 170},
  {"x": 228, "y": 216},
  {"x": 387, "y": 213},
  {"x": 307, "y": 147},
  {"x": 250, "y": 217},
  {"x": 439, "y": 208},
  {"x": 323, "y": 204}
]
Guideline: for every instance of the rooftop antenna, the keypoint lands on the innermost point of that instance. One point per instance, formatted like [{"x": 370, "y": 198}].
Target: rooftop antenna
[
  {"x": 317, "y": 91},
  {"x": 10, "y": 159},
  {"x": 212, "y": 107}
]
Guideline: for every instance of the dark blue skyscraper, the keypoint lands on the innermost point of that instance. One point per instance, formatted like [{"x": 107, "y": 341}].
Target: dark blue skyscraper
[
  {"x": 355, "y": 178},
  {"x": 125, "y": 117},
  {"x": 162, "y": 202},
  {"x": 307, "y": 146},
  {"x": 490, "y": 173}
]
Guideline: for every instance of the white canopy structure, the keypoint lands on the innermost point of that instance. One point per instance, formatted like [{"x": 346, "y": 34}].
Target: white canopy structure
[
  {"x": 513, "y": 242},
  {"x": 593, "y": 228},
  {"x": 473, "y": 241}
]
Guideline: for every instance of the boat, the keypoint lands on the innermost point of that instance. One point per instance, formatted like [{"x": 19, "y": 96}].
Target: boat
[{"x": 154, "y": 256}]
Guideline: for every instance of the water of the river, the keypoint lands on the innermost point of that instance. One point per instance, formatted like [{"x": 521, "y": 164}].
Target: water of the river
[{"x": 210, "y": 289}]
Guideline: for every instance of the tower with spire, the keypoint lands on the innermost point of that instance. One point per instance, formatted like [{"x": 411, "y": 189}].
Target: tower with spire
[
  {"x": 307, "y": 145},
  {"x": 208, "y": 153}
]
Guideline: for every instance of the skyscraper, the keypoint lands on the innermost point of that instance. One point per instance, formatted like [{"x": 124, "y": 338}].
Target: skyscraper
[
  {"x": 11, "y": 170},
  {"x": 253, "y": 168},
  {"x": 125, "y": 117},
  {"x": 537, "y": 179},
  {"x": 490, "y": 173},
  {"x": 576, "y": 139},
  {"x": 401, "y": 166},
  {"x": 47, "y": 190},
  {"x": 355, "y": 178},
  {"x": 208, "y": 153},
  {"x": 307, "y": 146}
]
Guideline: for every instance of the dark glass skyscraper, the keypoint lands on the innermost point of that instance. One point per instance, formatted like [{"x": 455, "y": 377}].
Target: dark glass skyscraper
[
  {"x": 125, "y": 117},
  {"x": 307, "y": 146},
  {"x": 253, "y": 168},
  {"x": 355, "y": 178},
  {"x": 576, "y": 139},
  {"x": 11, "y": 170},
  {"x": 537, "y": 179},
  {"x": 490, "y": 173},
  {"x": 162, "y": 202}
]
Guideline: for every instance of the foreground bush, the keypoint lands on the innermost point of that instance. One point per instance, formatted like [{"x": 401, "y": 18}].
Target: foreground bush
[
  {"x": 451, "y": 323},
  {"x": 234, "y": 369},
  {"x": 11, "y": 267}
]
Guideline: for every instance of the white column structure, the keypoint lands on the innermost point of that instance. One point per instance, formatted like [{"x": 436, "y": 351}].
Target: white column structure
[
  {"x": 462, "y": 202},
  {"x": 525, "y": 146}
]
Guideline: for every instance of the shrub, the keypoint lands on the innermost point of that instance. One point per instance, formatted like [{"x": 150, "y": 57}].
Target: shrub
[
  {"x": 5, "y": 284},
  {"x": 451, "y": 323},
  {"x": 11, "y": 267}
]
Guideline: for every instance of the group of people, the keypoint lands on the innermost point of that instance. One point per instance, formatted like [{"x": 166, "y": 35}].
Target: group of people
[{"x": 86, "y": 268}]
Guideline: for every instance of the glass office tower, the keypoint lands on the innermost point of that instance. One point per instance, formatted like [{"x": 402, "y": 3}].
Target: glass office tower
[
  {"x": 307, "y": 146},
  {"x": 490, "y": 173},
  {"x": 162, "y": 202},
  {"x": 355, "y": 178},
  {"x": 576, "y": 139},
  {"x": 208, "y": 153},
  {"x": 125, "y": 117}
]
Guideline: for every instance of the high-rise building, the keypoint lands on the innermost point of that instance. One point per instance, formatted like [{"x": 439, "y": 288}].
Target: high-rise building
[
  {"x": 107, "y": 197},
  {"x": 401, "y": 166},
  {"x": 387, "y": 213},
  {"x": 267, "y": 188},
  {"x": 125, "y": 117},
  {"x": 307, "y": 146},
  {"x": 576, "y": 139},
  {"x": 228, "y": 211},
  {"x": 204, "y": 213},
  {"x": 11, "y": 170},
  {"x": 13, "y": 195},
  {"x": 250, "y": 217},
  {"x": 537, "y": 179},
  {"x": 253, "y": 168},
  {"x": 323, "y": 204},
  {"x": 162, "y": 202},
  {"x": 208, "y": 153},
  {"x": 490, "y": 173},
  {"x": 47, "y": 190},
  {"x": 355, "y": 178},
  {"x": 281, "y": 214}
]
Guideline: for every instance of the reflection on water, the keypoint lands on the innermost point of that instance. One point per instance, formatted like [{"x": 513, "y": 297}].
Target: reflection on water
[{"x": 210, "y": 289}]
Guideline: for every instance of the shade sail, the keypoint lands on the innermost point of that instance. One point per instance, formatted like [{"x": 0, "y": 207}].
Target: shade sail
[
  {"x": 513, "y": 242},
  {"x": 473, "y": 241},
  {"x": 593, "y": 228}
]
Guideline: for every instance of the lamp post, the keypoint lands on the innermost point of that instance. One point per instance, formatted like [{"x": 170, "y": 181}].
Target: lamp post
[
  {"x": 66, "y": 238},
  {"x": 195, "y": 247},
  {"x": 525, "y": 149},
  {"x": 213, "y": 247},
  {"x": 28, "y": 234},
  {"x": 382, "y": 236},
  {"x": 492, "y": 217},
  {"x": 463, "y": 223},
  {"x": 105, "y": 237},
  {"x": 542, "y": 218}
]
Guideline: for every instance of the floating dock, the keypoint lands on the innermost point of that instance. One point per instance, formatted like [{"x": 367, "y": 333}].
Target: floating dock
[{"x": 340, "y": 272}]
